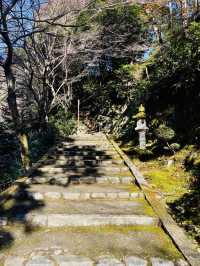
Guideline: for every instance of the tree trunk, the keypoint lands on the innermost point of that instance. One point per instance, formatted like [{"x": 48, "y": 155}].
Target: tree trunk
[
  {"x": 23, "y": 139},
  {"x": 42, "y": 116},
  {"x": 7, "y": 66},
  {"x": 12, "y": 103},
  {"x": 43, "y": 101}
]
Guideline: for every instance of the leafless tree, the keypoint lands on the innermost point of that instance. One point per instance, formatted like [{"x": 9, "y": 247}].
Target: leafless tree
[
  {"x": 20, "y": 19},
  {"x": 44, "y": 72}
]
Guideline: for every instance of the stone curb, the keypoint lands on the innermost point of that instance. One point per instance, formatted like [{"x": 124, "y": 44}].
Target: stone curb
[
  {"x": 86, "y": 195},
  {"x": 80, "y": 170},
  {"x": 81, "y": 220},
  {"x": 85, "y": 153},
  {"x": 77, "y": 220},
  {"x": 85, "y": 157},
  {"x": 85, "y": 148},
  {"x": 99, "y": 180},
  {"x": 84, "y": 162}
]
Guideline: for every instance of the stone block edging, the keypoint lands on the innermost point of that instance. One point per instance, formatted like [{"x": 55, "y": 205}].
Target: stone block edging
[{"x": 86, "y": 195}]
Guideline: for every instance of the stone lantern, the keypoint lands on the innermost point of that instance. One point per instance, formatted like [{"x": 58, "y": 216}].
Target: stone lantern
[{"x": 141, "y": 127}]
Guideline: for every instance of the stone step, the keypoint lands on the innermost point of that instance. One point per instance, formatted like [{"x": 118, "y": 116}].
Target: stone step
[
  {"x": 56, "y": 169},
  {"x": 77, "y": 220},
  {"x": 85, "y": 147},
  {"x": 84, "y": 152},
  {"x": 85, "y": 140},
  {"x": 53, "y": 204},
  {"x": 81, "y": 163},
  {"x": 66, "y": 179},
  {"x": 103, "y": 143},
  {"x": 85, "y": 195},
  {"x": 85, "y": 188},
  {"x": 49, "y": 251},
  {"x": 74, "y": 157},
  {"x": 74, "y": 260},
  {"x": 81, "y": 146},
  {"x": 43, "y": 257},
  {"x": 87, "y": 137}
]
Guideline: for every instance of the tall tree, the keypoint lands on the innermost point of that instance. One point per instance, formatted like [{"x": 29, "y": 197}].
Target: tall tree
[
  {"x": 18, "y": 20},
  {"x": 44, "y": 72}
]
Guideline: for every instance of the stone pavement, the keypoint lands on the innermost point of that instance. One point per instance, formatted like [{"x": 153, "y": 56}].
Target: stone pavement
[
  {"x": 82, "y": 207},
  {"x": 58, "y": 257}
]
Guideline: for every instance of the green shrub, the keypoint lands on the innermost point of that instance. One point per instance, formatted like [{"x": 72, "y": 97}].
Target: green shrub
[
  {"x": 64, "y": 123},
  {"x": 164, "y": 133},
  {"x": 40, "y": 141},
  {"x": 143, "y": 155},
  {"x": 164, "y": 137},
  {"x": 10, "y": 167},
  {"x": 192, "y": 162}
]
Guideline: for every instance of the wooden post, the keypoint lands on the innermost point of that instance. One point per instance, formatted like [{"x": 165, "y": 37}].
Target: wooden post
[
  {"x": 78, "y": 116},
  {"x": 147, "y": 72}
]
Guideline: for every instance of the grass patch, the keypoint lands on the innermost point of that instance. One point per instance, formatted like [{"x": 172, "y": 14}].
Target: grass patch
[
  {"x": 166, "y": 180},
  {"x": 178, "y": 185},
  {"x": 172, "y": 182}
]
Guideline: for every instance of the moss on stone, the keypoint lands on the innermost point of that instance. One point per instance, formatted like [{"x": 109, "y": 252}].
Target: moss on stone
[
  {"x": 167, "y": 248},
  {"x": 109, "y": 229},
  {"x": 172, "y": 181},
  {"x": 8, "y": 204},
  {"x": 152, "y": 241},
  {"x": 166, "y": 180},
  {"x": 130, "y": 188}
]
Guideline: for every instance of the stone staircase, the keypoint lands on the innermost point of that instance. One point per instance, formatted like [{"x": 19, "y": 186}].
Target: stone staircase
[{"x": 82, "y": 207}]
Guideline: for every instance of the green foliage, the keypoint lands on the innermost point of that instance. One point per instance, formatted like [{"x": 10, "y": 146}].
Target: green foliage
[
  {"x": 120, "y": 15},
  {"x": 173, "y": 83},
  {"x": 164, "y": 133},
  {"x": 162, "y": 139},
  {"x": 192, "y": 163},
  {"x": 83, "y": 21},
  {"x": 64, "y": 123},
  {"x": 169, "y": 87},
  {"x": 117, "y": 29},
  {"x": 194, "y": 32},
  {"x": 10, "y": 167},
  {"x": 134, "y": 71},
  {"x": 40, "y": 141},
  {"x": 144, "y": 155}
]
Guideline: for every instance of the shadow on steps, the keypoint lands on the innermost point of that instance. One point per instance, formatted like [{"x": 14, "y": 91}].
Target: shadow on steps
[
  {"x": 14, "y": 207},
  {"x": 75, "y": 164}
]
